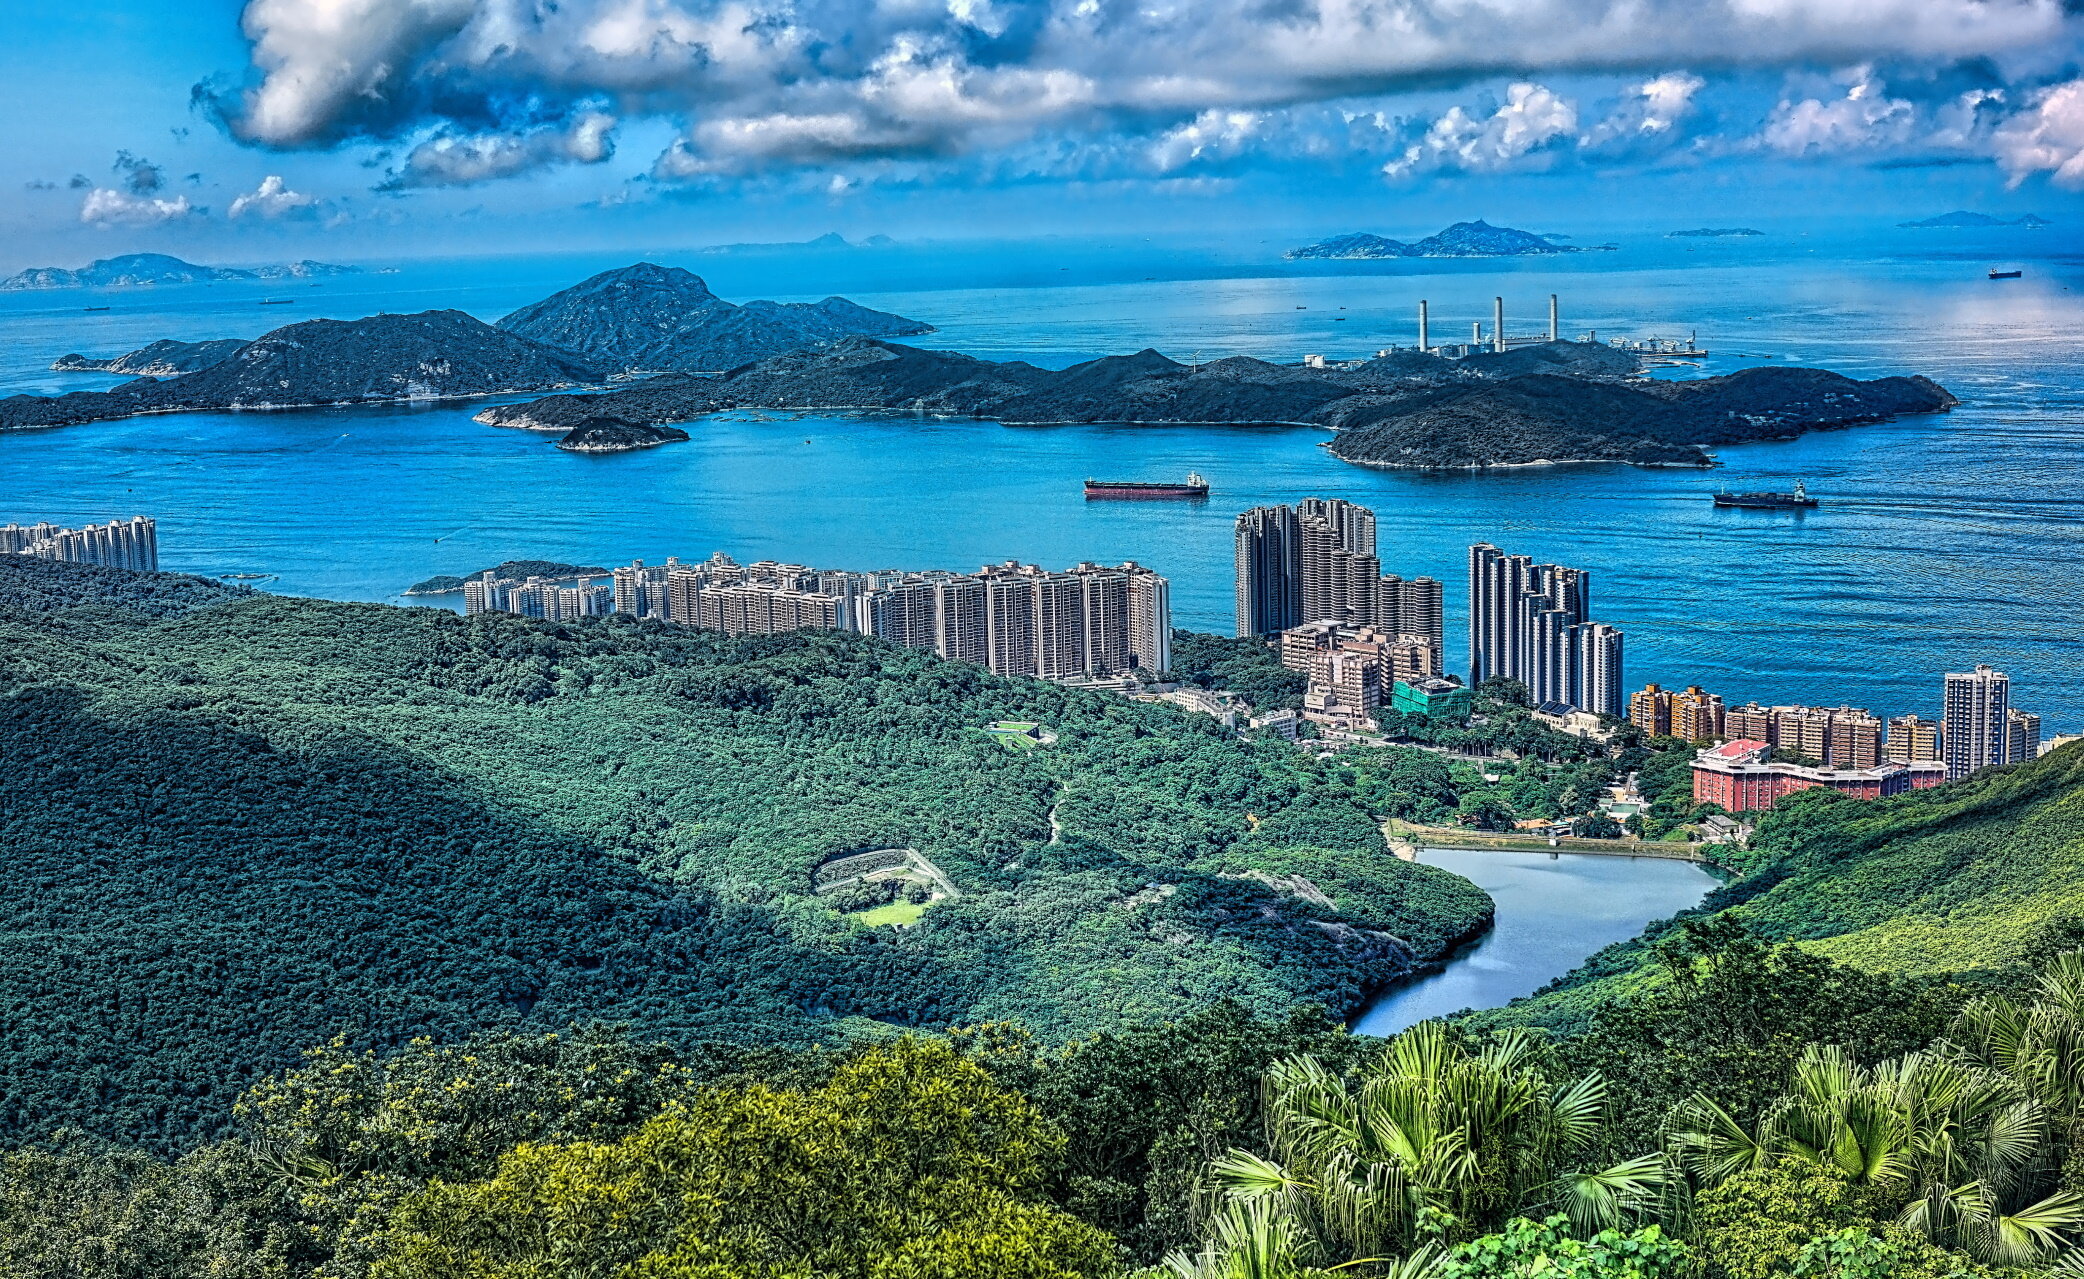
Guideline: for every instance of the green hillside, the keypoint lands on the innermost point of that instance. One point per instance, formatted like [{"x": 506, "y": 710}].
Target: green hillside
[
  {"x": 1978, "y": 876},
  {"x": 233, "y": 826}
]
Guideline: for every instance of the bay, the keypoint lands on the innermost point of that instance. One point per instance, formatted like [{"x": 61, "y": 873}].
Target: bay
[{"x": 1943, "y": 541}]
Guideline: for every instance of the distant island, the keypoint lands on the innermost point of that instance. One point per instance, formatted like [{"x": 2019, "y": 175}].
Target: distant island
[
  {"x": 509, "y": 570},
  {"x": 826, "y": 243},
  {"x": 1478, "y": 239},
  {"x": 638, "y": 318},
  {"x": 1547, "y": 403},
  {"x": 1713, "y": 231},
  {"x": 135, "y": 269},
  {"x": 1963, "y": 218}
]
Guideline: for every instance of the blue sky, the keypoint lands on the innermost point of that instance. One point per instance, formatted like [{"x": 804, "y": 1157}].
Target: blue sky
[{"x": 241, "y": 130}]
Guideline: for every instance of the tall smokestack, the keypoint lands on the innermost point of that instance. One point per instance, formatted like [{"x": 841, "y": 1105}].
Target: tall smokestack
[
  {"x": 1475, "y": 335},
  {"x": 1497, "y": 324},
  {"x": 1423, "y": 343},
  {"x": 1554, "y": 335}
]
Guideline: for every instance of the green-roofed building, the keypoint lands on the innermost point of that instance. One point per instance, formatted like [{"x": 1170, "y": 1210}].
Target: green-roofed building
[{"x": 1432, "y": 698}]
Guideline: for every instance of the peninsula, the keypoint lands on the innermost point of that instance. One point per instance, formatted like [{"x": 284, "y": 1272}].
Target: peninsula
[
  {"x": 517, "y": 570},
  {"x": 1477, "y": 239},
  {"x": 1555, "y": 402},
  {"x": 167, "y": 357}
]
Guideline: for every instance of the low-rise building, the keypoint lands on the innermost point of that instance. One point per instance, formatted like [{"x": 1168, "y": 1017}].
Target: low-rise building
[
  {"x": 1431, "y": 698},
  {"x": 1742, "y": 777}
]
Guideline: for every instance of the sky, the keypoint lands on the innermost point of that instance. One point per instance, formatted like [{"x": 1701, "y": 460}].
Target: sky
[{"x": 251, "y": 130}]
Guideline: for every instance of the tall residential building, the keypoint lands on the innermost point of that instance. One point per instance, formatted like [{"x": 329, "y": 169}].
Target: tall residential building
[
  {"x": 1314, "y": 562},
  {"x": 1412, "y": 607},
  {"x": 962, "y": 622},
  {"x": 1974, "y": 733},
  {"x": 131, "y": 544},
  {"x": 1532, "y": 622},
  {"x": 1150, "y": 618},
  {"x": 2022, "y": 736},
  {"x": 1269, "y": 570},
  {"x": 1597, "y": 684},
  {"x": 1913, "y": 739}
]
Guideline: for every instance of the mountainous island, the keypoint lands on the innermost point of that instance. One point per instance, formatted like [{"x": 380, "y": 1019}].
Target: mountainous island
[
  {"x": 1964, "y": 218},
  {"x": 655, "y": 318},
  {"x": 639, "y": 317},
  {"x": 134, "y": 269},
  {"x": 1478, "y": 239},
  {"x": 1712, "y": 232},
  {"x": 429, "y": 356},
  {"x": 1556, "y": 402}
]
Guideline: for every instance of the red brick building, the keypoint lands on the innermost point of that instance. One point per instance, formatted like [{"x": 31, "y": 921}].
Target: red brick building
[{"x": 1741, "y": 777}]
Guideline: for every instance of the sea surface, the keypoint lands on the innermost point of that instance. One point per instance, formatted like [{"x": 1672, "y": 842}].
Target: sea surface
[
  {"x": 1555, "y": 910},
  {"x": 1941, "y": 542}
]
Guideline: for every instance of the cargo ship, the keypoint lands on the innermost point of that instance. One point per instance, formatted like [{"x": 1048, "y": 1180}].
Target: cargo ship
[
  {"x": 1140, "y": 490},
  {"x": 1799, "y": 499},
  {"x": 2005, "y": 275}
]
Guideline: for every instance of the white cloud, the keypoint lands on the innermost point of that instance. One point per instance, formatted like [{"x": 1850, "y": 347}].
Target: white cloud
[
  {"x": 2047, "y": 137},
  {"x": 1865, "y": 118},
  {"x": 1208, "y": 135},
  {"x": 105, "y": 206},
  {"x": 461, "y": 159},
  {"x": 272, "y": 199},
  {"x": 781, "y": 83},
  {"x": 1516, "y": 135}
]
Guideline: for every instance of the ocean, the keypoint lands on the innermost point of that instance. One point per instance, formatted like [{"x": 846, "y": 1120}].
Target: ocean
[{"x": 1942, "y": 541}]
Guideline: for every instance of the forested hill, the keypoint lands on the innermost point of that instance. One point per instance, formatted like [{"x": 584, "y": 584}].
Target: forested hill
[
  {"x": 234, "y": 825},
  {"x": 1978, "y": 876}
]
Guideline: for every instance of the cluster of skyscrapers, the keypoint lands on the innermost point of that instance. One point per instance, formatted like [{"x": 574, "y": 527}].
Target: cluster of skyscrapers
[
  {"x": 1089, "y": 622},
  {"x": 1316, "y": 562},
  {"x": 132, "y": 544},
  {"x": 1533, "y": 623}
]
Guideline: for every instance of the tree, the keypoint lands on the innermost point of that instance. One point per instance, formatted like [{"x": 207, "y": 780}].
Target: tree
[
  {"x": 1597, "y": 826},
  {"x": 1433, "y": 1140},
  {"x": 1958, "y": 1150},
  {"x": 909, "y": 1164}
]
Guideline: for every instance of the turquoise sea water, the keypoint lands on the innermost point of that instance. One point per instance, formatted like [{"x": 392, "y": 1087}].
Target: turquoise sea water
[{"x": 1943, "y": 541}]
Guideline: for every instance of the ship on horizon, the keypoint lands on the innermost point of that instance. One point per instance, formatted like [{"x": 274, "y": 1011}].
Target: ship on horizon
[
  {"x": 1797, "y": 500},
  {"x": 1147, "y": 490}
]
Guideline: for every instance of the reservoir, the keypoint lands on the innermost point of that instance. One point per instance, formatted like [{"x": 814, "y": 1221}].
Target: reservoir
[{"x": 1554, "y": 912}]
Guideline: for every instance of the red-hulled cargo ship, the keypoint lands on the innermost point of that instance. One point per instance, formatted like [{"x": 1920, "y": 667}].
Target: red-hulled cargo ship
[{"x": 1138, "y": 490}]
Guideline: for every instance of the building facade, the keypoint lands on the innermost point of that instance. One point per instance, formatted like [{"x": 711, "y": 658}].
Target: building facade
[
  {"x": 1913, "y": 739},
  {"x": 1742, "y": 777},
  {"x": 1975, "y": 730},
  {"x": 131, "y": 544},
  {"x": 1317, "y": 562},
  {"x": 1532, "y": 623}
]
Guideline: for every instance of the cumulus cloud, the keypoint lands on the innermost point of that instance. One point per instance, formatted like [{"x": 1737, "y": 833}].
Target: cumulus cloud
[
  {"x": 1516, "y": 135},
  {"x": 106, "y": 206},
  {"x": 1863, "y": 118},
  {"x": 460, "y": 159},
  {"x": 2046, "y": 137},
  {"x": 779, "y": 83},
  {"x": 273, "y": 200},
  {"x": 1649, "y": 114},
  {"x": 1211, "y": 134}
]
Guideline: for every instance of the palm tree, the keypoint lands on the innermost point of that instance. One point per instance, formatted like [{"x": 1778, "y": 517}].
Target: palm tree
[
  {"x": 1965, "y": 1147},
  {"x": 1435, "y": 1142},
  {"x": 2040, "y": 1044}
]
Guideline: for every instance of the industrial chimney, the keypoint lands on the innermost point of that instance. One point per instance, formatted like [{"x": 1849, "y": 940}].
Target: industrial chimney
[
  {"x": 1423, "y": 344},
  {"x": 1554, "y": 335},
  {"x": 1497, "y": 324}
]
